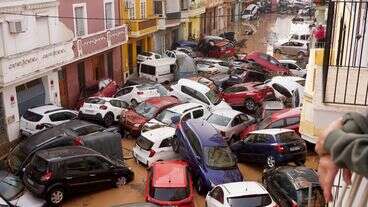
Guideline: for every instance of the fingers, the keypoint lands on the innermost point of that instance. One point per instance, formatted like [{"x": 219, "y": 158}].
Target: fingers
[
  {"x": 347, "y": 176},
  {"x": 327, "y": 171}
]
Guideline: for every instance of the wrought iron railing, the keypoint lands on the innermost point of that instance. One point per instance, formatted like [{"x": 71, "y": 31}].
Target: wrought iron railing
[{"x": 345, "y": 66}]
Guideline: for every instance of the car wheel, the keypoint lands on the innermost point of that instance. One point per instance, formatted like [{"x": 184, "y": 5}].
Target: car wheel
[
  {"x": 271, "y": 162},
  {"x": 175, "y": 145},
  {"x": 199, "y": 186},
  {"x": 108, "y": 119},
  {"x": 134, "y": 102},
  {"x": 277, "y": 51},
  {"x": 55, "y": 196},
  {"x": 250, "y": 105},
  {"x": 120, "y": 182}
]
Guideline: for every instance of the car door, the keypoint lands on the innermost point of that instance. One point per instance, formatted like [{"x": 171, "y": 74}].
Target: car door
[
  {"x": 277, "y": 124},
  {"x": 76, "y": 173},
  {"x": 117, "y": 107},
  {"x": 98, "y": 171},
  {"x": 245, "y": 152},
  {"x": 125, "y": 94},
  {"x": 215, "y": 197},
  {"x": 198, "y": 113},
  {"x": 195, "y": 153}
]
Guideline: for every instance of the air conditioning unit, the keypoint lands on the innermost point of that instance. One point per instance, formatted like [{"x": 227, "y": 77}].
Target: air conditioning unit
[{"x": 16, "y": 26}]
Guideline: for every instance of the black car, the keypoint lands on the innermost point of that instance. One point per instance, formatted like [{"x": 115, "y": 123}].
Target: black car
[
  {"x": 290, "y": 186},
  {"x": 54, "y": 173},
  {"x": 244, "y": 76},
  {"x": 75, "y": 132}
]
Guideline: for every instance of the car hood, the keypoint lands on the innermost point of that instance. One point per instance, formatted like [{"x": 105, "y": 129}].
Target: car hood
[
  {"x": 222, "y": 105},
  {"x": 218, "y": 177},
  {"x": 133, "y": 117}
]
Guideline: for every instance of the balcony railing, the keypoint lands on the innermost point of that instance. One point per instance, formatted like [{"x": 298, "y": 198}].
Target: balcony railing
[
  {"x": 138, "y": 25},
  {"x": 345, "y": 64}
]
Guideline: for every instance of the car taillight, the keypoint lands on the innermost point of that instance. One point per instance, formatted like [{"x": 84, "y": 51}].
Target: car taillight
[
  {"x": 279, "y": 148},
  {"x": 103, "y": 107},
  {"x": 47, "y": 176},
  {"x": 78, "y": 141},
  {"x": 152, "y": 152},
  {"x": 140, "y": 93},
  {"x": 39, "y": 126}
]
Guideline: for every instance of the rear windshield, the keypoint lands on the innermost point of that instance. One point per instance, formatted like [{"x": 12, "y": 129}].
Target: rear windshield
[
  {"x": 167, "y": 117},
  {"x": 144, "y": 143},
  {"x": 218, "y": 120},
  {"x": 250, "y": 201},
  {"x": 287, "y": 137},
  {"x": 39, "y": 164},
  {"x": 170, "y": 194},
  {"x": 219, "y": 157},
  {"x": 95, "y": 101},
  {"x": 33, "y": 117}
]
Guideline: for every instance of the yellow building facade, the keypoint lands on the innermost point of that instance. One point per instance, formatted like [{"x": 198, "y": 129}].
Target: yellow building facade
[
  {"x": 192, "y": 21},
  {"x": 142, "y": 23}
]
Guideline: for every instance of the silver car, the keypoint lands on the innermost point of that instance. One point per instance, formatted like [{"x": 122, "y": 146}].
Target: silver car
[{"x": 292, "y": 47}]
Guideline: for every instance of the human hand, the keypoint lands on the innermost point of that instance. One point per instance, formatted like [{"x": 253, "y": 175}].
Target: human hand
[
  {"x": 321, "y": 140},
  {"x": 327, "y": 171}
]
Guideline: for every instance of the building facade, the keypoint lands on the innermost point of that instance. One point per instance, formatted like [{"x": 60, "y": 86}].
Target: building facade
[
  {"x": 192, "y": 13},
  {"x": 218, "y": 16},
  {"x": 96, "y": 46},
  {"x": 142, "y": 24},
  {"x": 33, "y": 47}
]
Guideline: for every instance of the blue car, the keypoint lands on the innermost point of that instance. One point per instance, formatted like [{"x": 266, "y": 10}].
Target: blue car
[
  {"x": 271, "y": 147},
  {"x": 184, "y": 43},
  {"x": 210, "y": 159}
]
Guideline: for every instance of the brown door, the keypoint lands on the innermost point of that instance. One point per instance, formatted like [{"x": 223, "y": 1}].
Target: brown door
[{"x": 63, "y": 88}]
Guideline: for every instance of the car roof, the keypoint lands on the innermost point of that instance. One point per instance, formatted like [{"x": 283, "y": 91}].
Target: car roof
[
  {"x": 206, "y": 133},
  {"x": 300, "y": 176},
  {"x": 181, "y": 108},
  {"x": 194, "y": 84},
  {"x": 65, "y": 152},
  {"x": 244, "y": 188},
  {"x": 162, "y": 101},
  {"x": 159, "y": 134},
  {"x": 288, "y": 61},
  {"x": 271, "y": 131},
  {"x": 159, "y": 62},
  {"x": 168, "y": 174},
  {"x": 285, "y": 113},
  {"x": 229, "y": 113},
  {"x": 45, "y": 109}
]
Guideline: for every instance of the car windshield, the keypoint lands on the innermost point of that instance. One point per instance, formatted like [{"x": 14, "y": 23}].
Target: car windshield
[
  {"x": 95, "y": 101},
  {"x": 213, "y": 97},
  {"x": 287, "y": 137},
  {"x": 31, "y": 116},
  {"x": 146, "y": 110},
  {"x": 250, "y": 200},
  {"x": 167, "y": 117},
  {"x": 219, "y": 157},
  {"x": 218, "y": 120},
  {"x": 265, "y": 122},
  {"x": 10, "y": 186},
  {"x": 144, "y": 143},
  {"x": 170, "y": 194},
  {"x": 16, "y": 158}
]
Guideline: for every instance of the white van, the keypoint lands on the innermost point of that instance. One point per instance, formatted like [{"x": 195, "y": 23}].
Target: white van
[
  {"x": 250, "y": 13},
  {"x": 300, "y": 32},
  {"x": 159, "y": 70}
]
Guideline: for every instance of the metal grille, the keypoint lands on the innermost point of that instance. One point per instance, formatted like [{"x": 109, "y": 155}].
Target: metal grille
[{"x": 345, "y": 66}]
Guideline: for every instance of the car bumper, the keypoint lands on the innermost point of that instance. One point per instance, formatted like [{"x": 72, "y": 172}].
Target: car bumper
[
  {"x": 35, "y": 188},
  {"x": 141, "y": 159}
]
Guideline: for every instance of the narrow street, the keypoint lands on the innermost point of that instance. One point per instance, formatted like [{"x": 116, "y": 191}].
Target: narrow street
[{"x": 134, "y": 191}]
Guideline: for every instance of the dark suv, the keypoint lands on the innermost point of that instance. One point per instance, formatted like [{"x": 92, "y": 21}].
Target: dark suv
[{"x": 54, "y": 172}]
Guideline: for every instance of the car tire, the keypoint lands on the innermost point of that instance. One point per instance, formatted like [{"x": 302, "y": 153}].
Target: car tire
[
  {"x": 120, "y": 182},
  {"x": 249, "y": 104},
  {"x": 199, "y": 186},
  {"x": 270, "y": 162},
  {"x": 175, "y": 145},
  {"x": 108, "y": 119},
  {"x": 55, "y": 196},
  {"x": 134, "y": 102}
]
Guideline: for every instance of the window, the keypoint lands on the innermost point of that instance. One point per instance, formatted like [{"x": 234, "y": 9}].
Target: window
[
  {"x": 33, "y": 117},
  {"x": 193, "y": 140},
  {"x": 157, "y": 5},
  {"x": 277, "y": 124},
  {"x": 144, "y": 143},
  {"x": 287, "y": 137},
  {"x": 236, "y": 121},
  {"x": 109, "y": 14},
  {"x": 116, "y": 103},
  {"x": 201, "y": 97},
  {"x": 217, "y": 194},
  {"x": 165, "y": 143},
  {"x": 130, "y": 5},
  {"x": 76, "y": 166},
  {"x": 243, "y": 118},
  {"x": 198, "y": 113},
  {"x": 62, "y": 116},
  {"x": 143, "y": 9},
  {"x": 124, "y": 91},
  {"x": 292, "y": 121},
  {"x": 188, "y": 91},
  {"x": 186, "y": 117},
  {"x": 89, "y": 130},
  {"x": 94, "y": 164},
  {"x": 263, "y": 138},
  {"x": 80, "y": 21},
  {"x": 235, "y": 89},
  {"x": 147, "y": 69}
]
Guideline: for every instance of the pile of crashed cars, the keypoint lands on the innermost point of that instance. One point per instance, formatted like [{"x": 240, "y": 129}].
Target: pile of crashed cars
[{"x": 192, "y": 127}]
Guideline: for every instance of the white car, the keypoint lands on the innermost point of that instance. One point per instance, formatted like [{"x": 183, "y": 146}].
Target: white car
[
  {"x": 251, "y": 12},
  {"x": 285, "y": 86},
  {"x": 102, "y": 109},
  {"x": 294, "y": 68},
  {"x": 138, "y": 93},
  {"x": 292, "y": 47},
  {"x": 172, "y": 116},
  {"x": 191, "y": 91},
  {"x": 239, "y": 194},
  {"x": 147, "y": 56},
  {"x": 230, "y": 123},
  {"x": 211, "y": 65},
  {"x": 39, "y": 118},
  {"x": 155, "y": 145}
]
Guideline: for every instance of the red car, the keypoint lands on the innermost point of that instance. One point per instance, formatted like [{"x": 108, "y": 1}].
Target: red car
[
  {"x": 268, "y": 63},
  {"x": 216, "y": 47},
  {"x": 133, "y": 119},
  {"x": 169, "y": 184},
  {"x": 287, "y": 118},
  {"x": 108, "y": 88},
  {"x": 250, "y": 95}
]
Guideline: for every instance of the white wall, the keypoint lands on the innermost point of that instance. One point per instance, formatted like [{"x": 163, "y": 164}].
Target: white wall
[{"x": 172, "y": 6}]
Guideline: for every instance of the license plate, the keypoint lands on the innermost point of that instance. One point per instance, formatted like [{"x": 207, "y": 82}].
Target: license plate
[
  {"x": 30, "y": 181},
  {"x": 294, "y": 148}
]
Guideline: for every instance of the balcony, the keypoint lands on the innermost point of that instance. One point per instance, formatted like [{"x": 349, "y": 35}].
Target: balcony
[
  {"x": 196, "y": 8},
  {"x": 139, "y": 28},
  {"x": 173, "y": 19}
]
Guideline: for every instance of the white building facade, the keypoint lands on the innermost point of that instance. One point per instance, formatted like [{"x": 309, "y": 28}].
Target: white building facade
[{"x": 33, "y": 47}]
